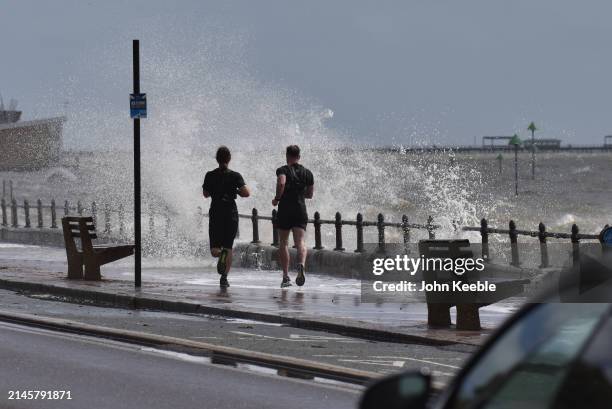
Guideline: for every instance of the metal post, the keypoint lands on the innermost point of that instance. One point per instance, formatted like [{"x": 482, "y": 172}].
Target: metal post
[
  {"x": 255, "y": 222},
  {"x": 533, "y": 154},
  {"x": 575, "y": 244},
  {"x": 532, "y": 128},
  {"x": 430, "y": 228},
  {"x": 26, "y": 211},
  {"x": 4, "y": 217},
  {"x": 137, "y": 209},
  {"x": 11, "y": 189},
  {"x": 406, "y": 233},
  {"x": 513, "y": 244},
  {"x": 359, "y": 226},
  {"x": 543, "y": 245},
  {"x": 516, "y": 169},
  {"x": 66, "y": 208},
  {"x": 380, "y": 224},
  {"x": 317, "y": 229},
  {"x": 338, "y": 224},
  {"x": 14, "y": 216},
  {"x": 39, "y": 209},
  {"x": 53, "y": 215},
  {"x": 484, "y": 239},
  {"x": 3, "y": 188},
  {"x": 274, "y": 231}
]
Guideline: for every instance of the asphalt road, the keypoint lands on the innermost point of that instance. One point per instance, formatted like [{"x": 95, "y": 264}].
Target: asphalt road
[
  {"x": 320, "y": 346},
  {"x": 106, "y": 374}
]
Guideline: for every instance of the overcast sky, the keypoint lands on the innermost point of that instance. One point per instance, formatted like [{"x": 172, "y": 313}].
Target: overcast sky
[{"x": 433, "y": 71}]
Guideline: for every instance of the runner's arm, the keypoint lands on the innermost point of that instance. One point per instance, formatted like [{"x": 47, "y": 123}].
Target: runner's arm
[
  {"x": 244, "y": 191},
  {"x": 280, "y": 188},
  {"x": 206, "y": 186},
  {"x": 309, "y": 192}
]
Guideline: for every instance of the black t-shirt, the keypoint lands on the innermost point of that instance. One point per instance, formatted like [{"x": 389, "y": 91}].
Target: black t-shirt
[
  {"x": 298, "y": 180},
  {"x": 223, "y": 185}
]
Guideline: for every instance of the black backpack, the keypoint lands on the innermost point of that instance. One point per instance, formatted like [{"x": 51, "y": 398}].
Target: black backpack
[{"x": 295, "y": 184}]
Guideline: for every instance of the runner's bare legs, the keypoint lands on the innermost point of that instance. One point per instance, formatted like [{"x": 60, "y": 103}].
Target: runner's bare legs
[
  {"x": 283, "y": 250},
  {"x": 298, "y": 239}
]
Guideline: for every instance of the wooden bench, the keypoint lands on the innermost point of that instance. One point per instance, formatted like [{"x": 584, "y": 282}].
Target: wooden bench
[
  {"x": 87, "y": 254},
  {"x": 468, "y": 302}
]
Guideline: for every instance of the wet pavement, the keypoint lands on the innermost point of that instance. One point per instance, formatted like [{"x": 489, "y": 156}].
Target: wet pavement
[
  {"x": 278, "y": 339},
  {"x": 104, "y": 374},
  {"x": 323, "y": 298}
]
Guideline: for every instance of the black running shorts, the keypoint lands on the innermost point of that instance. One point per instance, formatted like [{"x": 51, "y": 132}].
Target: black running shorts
[
  {"x": 222, "y": 228},
  {"x": 291, "y": 215}
]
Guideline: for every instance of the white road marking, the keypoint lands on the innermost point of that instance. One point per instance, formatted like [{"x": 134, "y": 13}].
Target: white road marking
[
  {"x": 336, "y": 356},
  {"x": 395, "y": 364},
  {"x": 300, "y": 338},
  {"x": 325, "y": 338},
  {"x": 417, "y": 360},
  {"x": 243, "y": 321},
  {"x": 266, "y": 336}
]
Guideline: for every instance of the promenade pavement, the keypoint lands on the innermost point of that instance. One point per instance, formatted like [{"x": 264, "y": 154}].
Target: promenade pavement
[{"x": 192, "y": 286}]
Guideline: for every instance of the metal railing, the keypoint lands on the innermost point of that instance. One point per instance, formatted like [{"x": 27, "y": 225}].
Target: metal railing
[
  {"x": 338, "y": 224},
  {"x": 49, "y": 213},
  {"x": 10, "y": 218},
  {"x": 574, "y": 235},
  {"x": 7, "y": 189}
]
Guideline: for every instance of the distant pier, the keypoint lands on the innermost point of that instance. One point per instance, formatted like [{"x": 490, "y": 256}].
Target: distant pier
[
  {"x": 501, "y": 148},
  {"x": 492, "y": 144}
]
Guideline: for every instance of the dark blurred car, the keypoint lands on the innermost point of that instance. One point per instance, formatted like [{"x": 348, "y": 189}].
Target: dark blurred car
[{"x": 547, "y": 355}]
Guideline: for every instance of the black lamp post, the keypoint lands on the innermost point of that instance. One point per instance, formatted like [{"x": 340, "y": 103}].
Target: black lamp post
[{"x": 516, "y": 141}]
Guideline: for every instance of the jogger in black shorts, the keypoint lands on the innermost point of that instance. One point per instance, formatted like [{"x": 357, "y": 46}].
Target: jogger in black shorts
[
  {"x": 294, "y": 184},
  {"x": 223, "y": 185}
]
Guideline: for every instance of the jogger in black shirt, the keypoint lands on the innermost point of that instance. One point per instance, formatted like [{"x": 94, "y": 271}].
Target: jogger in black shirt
[
  {"x": 294, "y": 184},
  {"x": 222, "y": 185}
]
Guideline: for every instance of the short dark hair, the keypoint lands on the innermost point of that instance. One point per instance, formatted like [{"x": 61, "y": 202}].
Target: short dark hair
[
  {"x": 293, "y": 151},
  {"x": 223, "y": 155}
]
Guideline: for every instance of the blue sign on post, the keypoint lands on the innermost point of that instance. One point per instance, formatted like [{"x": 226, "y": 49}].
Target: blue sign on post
[{"x": 138, "y": 105}]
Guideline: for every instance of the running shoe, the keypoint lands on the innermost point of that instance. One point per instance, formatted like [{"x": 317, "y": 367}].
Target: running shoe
[
  {"x": 300, "y": 279},
  {"x": 286, "y": 282},
  {"x": 223, "y": 283},
  {"x": 222, "y": 263}
]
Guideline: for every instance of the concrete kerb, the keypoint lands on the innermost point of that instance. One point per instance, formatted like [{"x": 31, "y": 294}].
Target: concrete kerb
[
  {"x": 220, "y": 353},
  {"x": 106, "y": 299}
]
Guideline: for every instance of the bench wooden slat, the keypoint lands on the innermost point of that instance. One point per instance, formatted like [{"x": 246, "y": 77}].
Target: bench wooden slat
[
  {"x": 75, "y": 226},
  {"x": 78, "y": 218},
  {"x": 91, "y": 235},
  {"x": 90, "y": 256}
]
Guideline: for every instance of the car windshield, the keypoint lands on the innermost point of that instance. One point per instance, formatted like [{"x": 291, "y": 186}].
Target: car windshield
[
  {"x": 589, "y": 383},
  {"x": 528, "y": 363}
]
